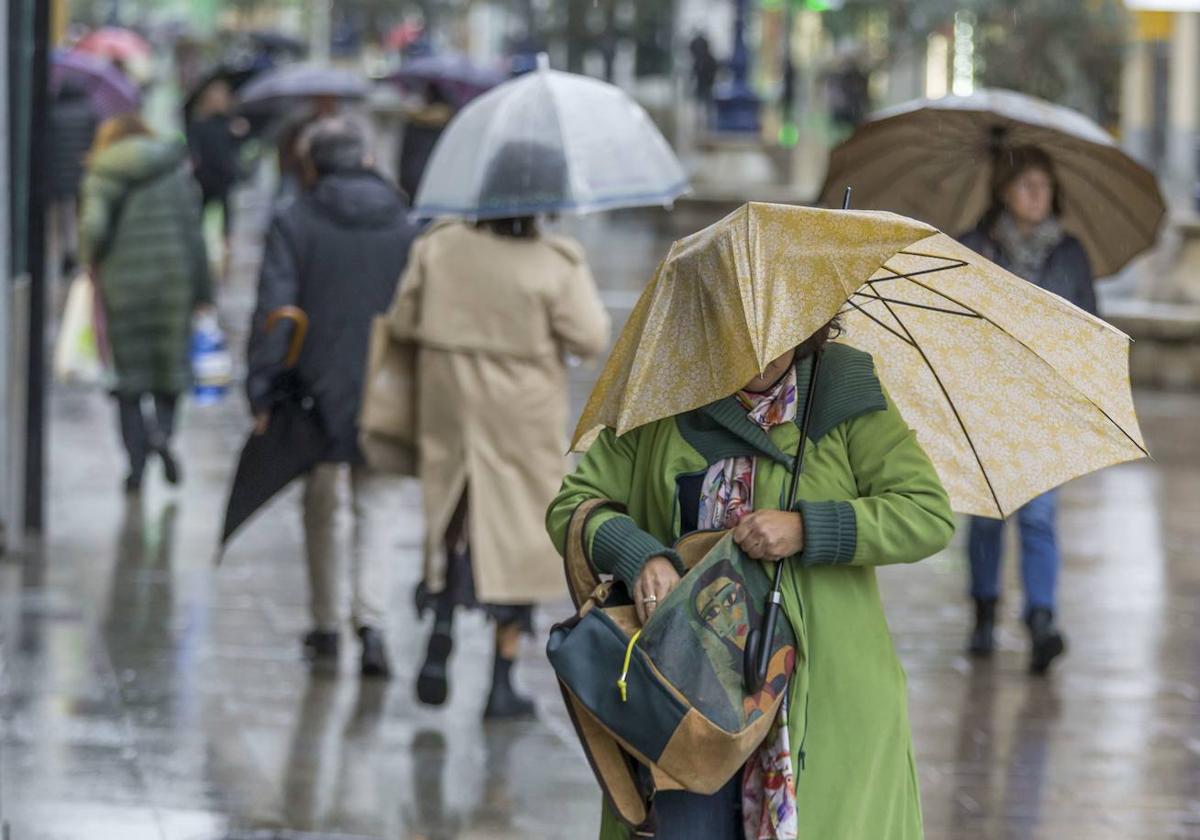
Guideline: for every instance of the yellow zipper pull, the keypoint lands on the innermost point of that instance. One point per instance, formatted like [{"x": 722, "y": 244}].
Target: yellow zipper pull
[{"x": 621, "y": 684}]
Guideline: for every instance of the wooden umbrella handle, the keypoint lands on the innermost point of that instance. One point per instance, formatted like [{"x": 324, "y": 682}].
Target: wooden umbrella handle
[{"x": 297, "y": 316}]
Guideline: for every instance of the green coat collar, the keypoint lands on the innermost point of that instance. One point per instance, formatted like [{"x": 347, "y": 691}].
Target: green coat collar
[{"x": 846, "y": 387}]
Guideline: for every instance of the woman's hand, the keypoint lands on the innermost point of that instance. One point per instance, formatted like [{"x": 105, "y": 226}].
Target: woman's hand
[
  {"x": 656, "y": 581},
  {"x": 770, "y": 534}
]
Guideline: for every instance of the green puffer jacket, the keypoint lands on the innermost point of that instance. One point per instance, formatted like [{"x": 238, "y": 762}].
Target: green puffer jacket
[
  {"x": 869, "y": 496},
  {"x": 140, "y": 228}
]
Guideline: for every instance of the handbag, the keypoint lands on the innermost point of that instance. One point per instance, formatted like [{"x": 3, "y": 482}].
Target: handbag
[
  {"x": 665, "y": 706},
  {"x": 387, "y": 421},
  {"x": 77, "y": 354}
]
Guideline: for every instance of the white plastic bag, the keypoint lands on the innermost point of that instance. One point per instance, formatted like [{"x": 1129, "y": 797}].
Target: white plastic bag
[{"x": 77, "y": 359}]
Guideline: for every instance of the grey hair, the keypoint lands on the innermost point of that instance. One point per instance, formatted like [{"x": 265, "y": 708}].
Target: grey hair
[{"x": 335, "y": 144}]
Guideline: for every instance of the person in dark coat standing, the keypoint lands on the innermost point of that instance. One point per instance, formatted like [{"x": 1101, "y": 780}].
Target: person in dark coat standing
[
  {"x": 336, "y": 252},
  {"x": 72, "y": 129},
  {"x": 422, "y": 128},
  {"x": 704, "y": 72},
  {"x": 214, "y": 138},
  {"x": 1023, "y": 234}
]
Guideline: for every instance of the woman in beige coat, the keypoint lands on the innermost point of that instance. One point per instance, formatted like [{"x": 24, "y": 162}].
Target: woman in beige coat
[{"x": 495, "y": 307}]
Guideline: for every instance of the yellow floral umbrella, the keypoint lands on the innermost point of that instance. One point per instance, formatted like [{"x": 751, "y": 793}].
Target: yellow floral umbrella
[{"x": 1012, "y": 390}]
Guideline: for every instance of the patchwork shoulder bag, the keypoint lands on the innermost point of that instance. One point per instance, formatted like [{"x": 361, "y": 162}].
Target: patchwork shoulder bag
[{"x": 664, "y": 706}]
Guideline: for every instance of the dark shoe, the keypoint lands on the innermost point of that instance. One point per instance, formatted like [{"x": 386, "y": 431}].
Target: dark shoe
[
  {"x": 503, "y": 702},
  {"x": 133, "y": 484},
  {"x": 1047, "y": 643},
  {"x": 374, "y": 654},
  {"x": 170, "y": 467},
  {"x": 983, "y": 637},
  {"x": 433, "y": 683},
  {"x": 321, "y": 646}
]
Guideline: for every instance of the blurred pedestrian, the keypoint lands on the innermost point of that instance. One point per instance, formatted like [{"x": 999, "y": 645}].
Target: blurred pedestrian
[
  {"x": 336, "y": 252},
  {"x": 1022, "y": 232},
  {"x": 140, "y": 235},
  {"x": 72, "y": 129},
  {"x": 294, "y": 176},
  {"x": 704, "y": 71},
  {"x": 422, "y": 128},
  {"x": 496, "y": 306},
  {"x": 214, "y": 137}
]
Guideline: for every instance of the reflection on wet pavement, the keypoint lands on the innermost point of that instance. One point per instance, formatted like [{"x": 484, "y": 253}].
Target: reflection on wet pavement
[{"x": 145, "y": 694}]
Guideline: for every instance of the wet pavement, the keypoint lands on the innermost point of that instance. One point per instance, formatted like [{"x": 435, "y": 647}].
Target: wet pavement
[{"x": 146, "y": 694}]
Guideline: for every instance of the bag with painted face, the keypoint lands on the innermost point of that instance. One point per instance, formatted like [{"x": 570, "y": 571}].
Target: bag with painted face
[{"x": 670, "y": 695}]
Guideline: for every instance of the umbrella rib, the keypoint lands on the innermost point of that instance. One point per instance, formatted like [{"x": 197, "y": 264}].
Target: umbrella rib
[
  {"x": 1107, "y": 416},
  {"x": 953, "y": 408},
  {"x": 876, "y": 296},
  {"x": 881, "y": 324},
  {"x": 899, "y": 275}
]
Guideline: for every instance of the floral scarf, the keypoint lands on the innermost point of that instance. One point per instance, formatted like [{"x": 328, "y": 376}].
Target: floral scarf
[{"x": 727, "y": 495}]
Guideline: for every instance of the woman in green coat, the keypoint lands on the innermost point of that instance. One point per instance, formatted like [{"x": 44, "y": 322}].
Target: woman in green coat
[
  {"x": 140, "y": 235},
  {"x": 868, "y": 496}
]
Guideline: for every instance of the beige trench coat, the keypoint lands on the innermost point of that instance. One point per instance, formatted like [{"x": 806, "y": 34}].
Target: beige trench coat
[{"x": 493, "y": 318}]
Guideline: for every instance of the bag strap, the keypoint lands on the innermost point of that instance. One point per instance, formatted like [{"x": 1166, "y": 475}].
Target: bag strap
[{"x": 582, "y": 578}]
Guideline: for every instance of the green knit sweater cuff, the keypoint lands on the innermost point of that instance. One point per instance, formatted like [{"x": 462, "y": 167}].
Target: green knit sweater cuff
[
  {"x": 621, "y": 548},
  {"x": 830, "y": 533}
]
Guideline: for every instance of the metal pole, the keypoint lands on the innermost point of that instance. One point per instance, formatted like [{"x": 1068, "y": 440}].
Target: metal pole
[
  {"x": 35, "y": 461},
  {"x": 9, "y": 510},
  {"x": 320, "y": 28},
  {"x": 737, "y": 104}
]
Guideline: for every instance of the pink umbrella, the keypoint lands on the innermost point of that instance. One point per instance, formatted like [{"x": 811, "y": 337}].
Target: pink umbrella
[
  {"x": 109, "y": 92},
  {"x": 114, "y": 43}
]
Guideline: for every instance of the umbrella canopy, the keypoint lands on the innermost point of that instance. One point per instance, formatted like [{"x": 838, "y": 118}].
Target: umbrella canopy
[
  {"x": 285, "y": 84},
  {"x": 1012, "y": 390},
  {"x": 932, "y": 159},
  {"x": 109, "y": 91},
  {"x": 549, "y": 142},
  {"x": 114, "y": 42},
  {"x": 235, "y": 75},
  {"x": 290, "y": 446},
  {"x": 459, "y": 80}
]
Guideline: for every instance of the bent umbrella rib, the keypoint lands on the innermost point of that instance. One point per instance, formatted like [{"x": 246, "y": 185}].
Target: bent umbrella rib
[
  {"x": 941, "y": 386},
  {"x": 1029, "y": 349}
]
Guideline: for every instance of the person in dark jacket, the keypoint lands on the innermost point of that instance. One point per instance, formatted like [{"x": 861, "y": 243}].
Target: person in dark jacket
[
  {"x": 336, "y": 252},
  {"x": 72, "y": 128},
  {"x": 1022, "y": 233},
  {"x": 422, "y": 128},
  {"x": 139, "y": 234},
  {"x": 214, "y": 138}
]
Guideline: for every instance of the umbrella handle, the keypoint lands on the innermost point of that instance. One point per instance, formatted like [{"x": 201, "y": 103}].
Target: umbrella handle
[{"x": 300, "y": 320}]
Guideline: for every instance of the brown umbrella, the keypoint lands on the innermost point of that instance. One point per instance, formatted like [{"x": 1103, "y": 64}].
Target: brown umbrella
[{"x": 931, "y": 159}]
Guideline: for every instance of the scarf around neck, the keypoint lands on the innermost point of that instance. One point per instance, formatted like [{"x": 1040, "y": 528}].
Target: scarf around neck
[{"x": 1026, "y": 254}]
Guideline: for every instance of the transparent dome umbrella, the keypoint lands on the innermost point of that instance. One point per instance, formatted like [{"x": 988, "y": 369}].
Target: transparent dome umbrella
[{"x": 549, "y": 142}]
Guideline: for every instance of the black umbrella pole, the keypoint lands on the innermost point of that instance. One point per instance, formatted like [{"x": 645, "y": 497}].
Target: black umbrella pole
[{"x": 757, "y": 658}]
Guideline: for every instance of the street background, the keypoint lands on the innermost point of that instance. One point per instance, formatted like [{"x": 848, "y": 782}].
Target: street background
[{"x": 147, "y": 693}]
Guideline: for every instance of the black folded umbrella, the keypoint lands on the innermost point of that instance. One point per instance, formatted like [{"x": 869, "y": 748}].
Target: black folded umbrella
[{"x": 292, "y": 444}]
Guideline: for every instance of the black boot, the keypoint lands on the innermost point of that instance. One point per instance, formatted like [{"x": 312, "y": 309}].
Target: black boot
[
  {"x": 170, "y": 464},
  {"x": 321, "y": 648},
  {"x": 1047, "y": 642},
  {"x": 374, "y": 654},
  {"x": 433, "y": 684},
  {"x": 983, "y": 637},
  {"x": 503, "y": 702}
]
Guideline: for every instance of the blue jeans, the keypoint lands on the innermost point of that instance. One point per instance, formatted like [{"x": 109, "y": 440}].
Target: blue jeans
[{"x": 1039, "y": 553}]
